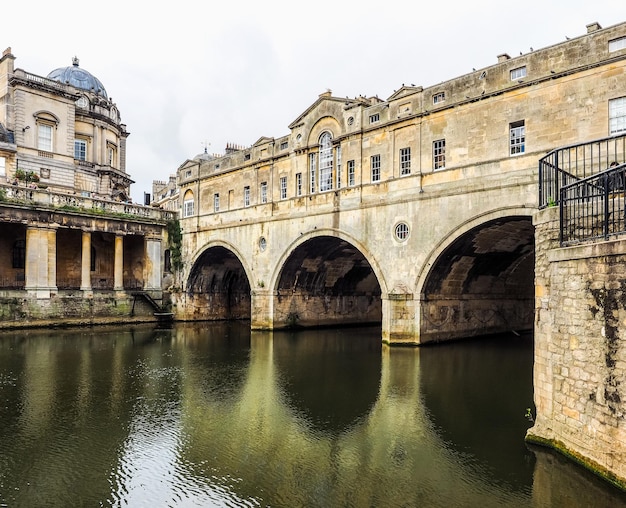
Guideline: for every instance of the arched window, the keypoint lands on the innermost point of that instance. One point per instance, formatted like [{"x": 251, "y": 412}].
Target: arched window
[
  {"x": 188, "y": 203},
  {"x": 19, "y": 254},
  {"x": 326, "y": 162}
]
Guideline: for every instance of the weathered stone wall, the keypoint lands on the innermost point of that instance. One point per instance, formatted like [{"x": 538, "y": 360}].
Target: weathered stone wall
[
  {"x": 580, "y": 353},
  {"x": 71, "y": 308}
]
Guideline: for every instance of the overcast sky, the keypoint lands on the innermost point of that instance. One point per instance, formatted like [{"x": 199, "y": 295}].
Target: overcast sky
[{"x": 189, "y": 73}]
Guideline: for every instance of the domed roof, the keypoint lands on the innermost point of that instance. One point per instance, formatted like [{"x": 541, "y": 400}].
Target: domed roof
[{"x": 78, "y": 78}]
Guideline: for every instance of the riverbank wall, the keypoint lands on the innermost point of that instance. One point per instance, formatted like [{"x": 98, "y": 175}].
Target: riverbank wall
[
  {"x": 580, "y": 349},
  {"x": 20, "y": 310}
]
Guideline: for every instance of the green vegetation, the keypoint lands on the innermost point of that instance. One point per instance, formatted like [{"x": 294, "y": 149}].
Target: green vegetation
[{"x": 175, "y": 240}]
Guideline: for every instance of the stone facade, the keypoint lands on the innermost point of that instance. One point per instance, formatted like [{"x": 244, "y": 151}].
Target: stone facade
[
  {"x": 580, "y": 358},
  {"x": 73, "y": 248},
  {"x": 67, "y": 134}
]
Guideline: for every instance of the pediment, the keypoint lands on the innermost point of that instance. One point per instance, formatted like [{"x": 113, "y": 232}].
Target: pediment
[{"x": 404, "y": 92}]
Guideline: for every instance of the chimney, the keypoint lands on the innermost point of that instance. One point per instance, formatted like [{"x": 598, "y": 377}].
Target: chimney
[
  {"x": 593, "y": 27},
  {"x": 503, "y": 57}
]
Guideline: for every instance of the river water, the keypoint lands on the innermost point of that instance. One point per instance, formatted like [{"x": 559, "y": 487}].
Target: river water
[{"x": 214, "y": 415}]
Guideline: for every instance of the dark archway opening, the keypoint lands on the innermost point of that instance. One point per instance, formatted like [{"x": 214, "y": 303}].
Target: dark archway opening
[
  {"x": 483, "y": 283},
  {"x": 218, "y": 287},
  {"x": 326, "y": 281}
]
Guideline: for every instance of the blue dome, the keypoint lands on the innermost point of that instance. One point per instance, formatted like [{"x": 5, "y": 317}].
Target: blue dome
[{"x": 78, "y": 78}]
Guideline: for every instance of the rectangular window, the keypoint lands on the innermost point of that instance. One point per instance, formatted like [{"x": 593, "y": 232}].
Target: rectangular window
[
  {"x": 246, "y": 157},
  {"x": 111, "y": 155},
  {"x": 517, "y": 132},
  {"x": 350, "y": 173},
  {"x": 188, "y": 208},
  {"x": 439, "y": 154},
  {"x": 375, "y": 118},
  {"x": 338, "y": 167},
  {"x": 405, "y": 161},
  {"x": 263, "y": 192},
  {"x": 246, "y": 195},
  {"x": 3, "y": 166},
  {"x": 216, "y": 202},
  {"x": 518, "y": 73},
  {"x": 283, "y": 187},
  {"x": 617, "y": 115},
  {"x": 375, "y": 162},
  {"x": 326, "y": 170},
  {"x": 284, "y": 145},
  {"x": 80, "y": 149},
  {"x": 298, "y": 184},
  {"x": 312, "y": 170},
  {"x": 44, "y": 137},
  {"x": 617, "y": 44},
  {"x": 439, "y": 97}
]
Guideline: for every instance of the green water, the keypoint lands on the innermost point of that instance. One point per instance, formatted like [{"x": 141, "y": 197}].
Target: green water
[{"x": 213, "y": 415}]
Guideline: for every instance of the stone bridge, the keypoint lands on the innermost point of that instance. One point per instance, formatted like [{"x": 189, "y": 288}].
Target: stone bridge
[{"x": 414, "y": 212}]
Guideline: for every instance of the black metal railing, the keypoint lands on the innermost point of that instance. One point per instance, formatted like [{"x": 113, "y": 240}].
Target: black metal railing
[
  {"x": 593, "y": 208},
  {"x": 566, "y": 165}
]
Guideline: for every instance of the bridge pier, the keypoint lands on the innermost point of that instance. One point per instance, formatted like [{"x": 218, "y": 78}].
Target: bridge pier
[{"x": 399, "y": 325}]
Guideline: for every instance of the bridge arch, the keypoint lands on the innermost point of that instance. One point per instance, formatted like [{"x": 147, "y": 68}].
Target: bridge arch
[
  {"x": 218, "y": 284},
  {"x": 479, "y": 279},
  {"x": 324, "y": 278}
]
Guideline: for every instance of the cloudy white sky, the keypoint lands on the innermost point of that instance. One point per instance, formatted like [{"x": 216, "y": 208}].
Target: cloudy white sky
[{"x": 187, "y": 73}]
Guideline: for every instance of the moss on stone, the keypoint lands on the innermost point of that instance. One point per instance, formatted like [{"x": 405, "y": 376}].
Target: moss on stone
[{"x": 585, "y": 462}]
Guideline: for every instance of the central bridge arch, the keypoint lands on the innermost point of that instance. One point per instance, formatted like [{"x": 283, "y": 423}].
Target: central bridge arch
[{"x": 326, "y": 280}]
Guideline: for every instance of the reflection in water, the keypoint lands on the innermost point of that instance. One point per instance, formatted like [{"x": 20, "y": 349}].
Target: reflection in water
[{"x": 213, "y": 415}]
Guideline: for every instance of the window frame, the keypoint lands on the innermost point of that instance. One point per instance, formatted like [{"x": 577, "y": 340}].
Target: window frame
[
  {"x": 350, "y": 167},
  {"x": 246, "y": 196},
  {"x": 80, "y": 142},
  {"x": 326, "y": 162},
  {"x": 439, "y": 154},
  {"x": 617, "y": 44},
  {"x": 298, "y": 184},
  {"x": 374, "y": 118},
  {"x": 439, "y": 97},
  {"x": 283, "y": 187},
  {"x": 517, "y": 137},
  {"x": 263, "y": 191},
  {"x": 405, "y": 161},
  {"x": 216, "y": 202},
  {"x": 312, "y": 172},
  {"x": 518, "y": 73},
  {"x": 375, "y": 168},
  {"x": 617, "y": 115},
  {"x": 45, "y": 143}
]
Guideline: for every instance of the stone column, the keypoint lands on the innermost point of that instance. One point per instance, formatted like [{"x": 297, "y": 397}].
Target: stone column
[
  {"x": 52, "y": 259},
  {"x": 38, "y": 260},
  {"x": 118, "y": 284},
  {"x": 85, "y": 265},
  {"x": 152, "y": 264}
]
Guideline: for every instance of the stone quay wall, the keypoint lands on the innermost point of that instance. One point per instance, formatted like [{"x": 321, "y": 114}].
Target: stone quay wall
[{"x": 580, "y": 349}]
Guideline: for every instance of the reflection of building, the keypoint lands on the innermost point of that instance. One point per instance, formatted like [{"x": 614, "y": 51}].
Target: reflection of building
[
  {"x": 69, "y": 237},
  {"x": 66, "y": 131}
]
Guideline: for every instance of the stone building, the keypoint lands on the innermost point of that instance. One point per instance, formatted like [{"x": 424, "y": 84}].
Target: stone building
[{"x": 72, "y": 245}]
